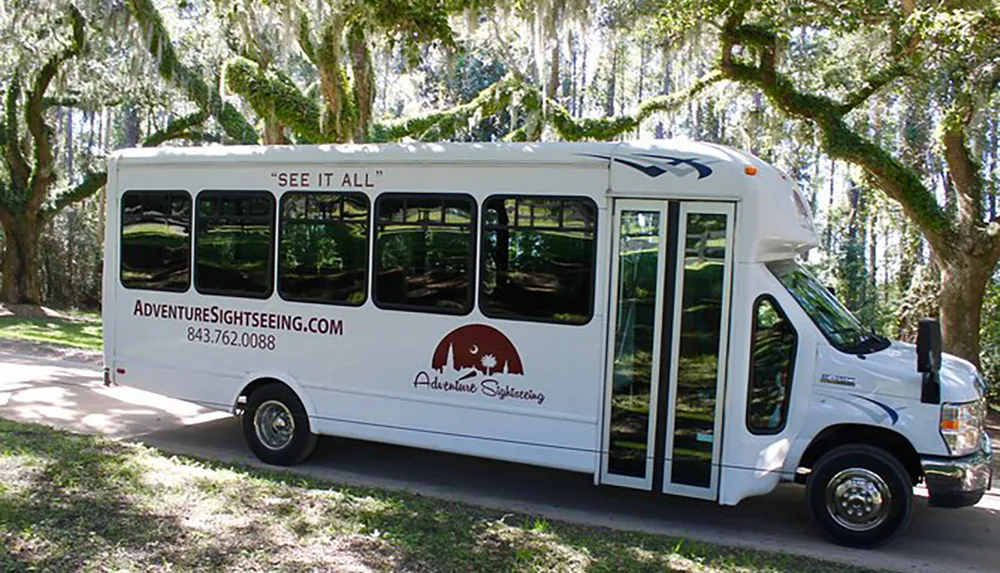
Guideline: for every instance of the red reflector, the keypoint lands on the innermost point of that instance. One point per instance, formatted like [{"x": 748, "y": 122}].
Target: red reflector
[{"x": 120, "y": 370}]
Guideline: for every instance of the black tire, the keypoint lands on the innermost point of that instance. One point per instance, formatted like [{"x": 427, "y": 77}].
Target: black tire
[
  {"x": 283, "y": 421},
  {"x": 851, "y": 469}
]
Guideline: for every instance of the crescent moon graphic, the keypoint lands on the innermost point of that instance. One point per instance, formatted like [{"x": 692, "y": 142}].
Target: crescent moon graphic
[{"x": 474, "y": 349}]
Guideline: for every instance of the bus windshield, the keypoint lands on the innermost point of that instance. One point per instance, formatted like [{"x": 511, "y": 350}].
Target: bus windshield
[{"x": 844, "y": 331}]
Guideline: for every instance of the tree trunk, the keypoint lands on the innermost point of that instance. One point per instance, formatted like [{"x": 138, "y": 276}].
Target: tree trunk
[
  {"x": 69, "y": 144},
  {"x": 21, "y": 283},
  {"x": 828, "y": 238},
  {"x": 963, "y": 285},
  {"x": 609, "y": 91},
  {"x": 553, "y": 83},
  {"x": 573, "y": 75},
  {"x": 582, "y": 88}
]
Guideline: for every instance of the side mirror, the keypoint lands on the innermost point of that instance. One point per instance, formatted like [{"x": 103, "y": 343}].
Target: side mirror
[
  {"x": 929, "y": 359},
  {"x": 928, "y": 345}
]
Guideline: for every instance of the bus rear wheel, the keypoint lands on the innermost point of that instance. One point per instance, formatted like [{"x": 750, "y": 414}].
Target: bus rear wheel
[
  {"x": 859, "y": 496},
  {"x": 276, "y": 426}
]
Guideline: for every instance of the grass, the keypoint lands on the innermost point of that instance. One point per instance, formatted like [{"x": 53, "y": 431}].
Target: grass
[
  {"x": 83, "y": 331},
  {"x": 82, "y": 503}
]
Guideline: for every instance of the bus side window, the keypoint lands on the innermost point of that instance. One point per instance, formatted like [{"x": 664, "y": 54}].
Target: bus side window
[
  {"x": 538, "y": 258},
  {"x": 234, "y": 243},
  {"x": 323, "y": 248},
  {"x": 424, "y": 252},
  {"x": 156, "y": 240},
  {"x": 772, "y": 361}
]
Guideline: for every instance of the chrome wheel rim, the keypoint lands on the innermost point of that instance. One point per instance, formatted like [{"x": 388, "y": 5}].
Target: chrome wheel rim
[
  {"x": 274, "y": 425},
  {"x": 858, "y": 499}
]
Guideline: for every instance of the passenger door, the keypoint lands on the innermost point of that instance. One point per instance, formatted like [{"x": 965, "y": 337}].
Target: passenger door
[{"x": 665, "y": 379}]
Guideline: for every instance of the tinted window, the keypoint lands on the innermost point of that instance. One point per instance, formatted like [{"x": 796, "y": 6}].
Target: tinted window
[
  {"x": 538, "y": 259},
  {"x": 156, "y": 240},
  {"x": 234, "y": 234},
  {"x": 323, "y": 249},
  {"x": 772, "y": 358},
  {"x": 424, "y": 252}
]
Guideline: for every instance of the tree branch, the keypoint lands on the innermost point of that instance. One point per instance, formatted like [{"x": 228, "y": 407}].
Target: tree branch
[
  {"x": 493, "y": 99},
  {"x": 92, "y": 183},
  {"x": 839, "y": 140},
  {"x": 964, "y": 175},
  {"x": 872, "y": 84},
  {"x": 43, "y": 171},
  {"x": 180, "y": 128},
  {"x": 174, "y": 128},
  {"x": 74, "y": 101},
  {"x": 273, "y": 94},
  {"x": 62, "y": 101},
  {"x": 490, "y": 100},
  {"x": 20, "y": 171},
  {"x": 189, "y": 81},
  {"x": 364, "y": 78}
]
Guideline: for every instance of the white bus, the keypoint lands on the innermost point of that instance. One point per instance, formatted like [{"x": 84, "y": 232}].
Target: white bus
[{"x": 629, "y": 310}]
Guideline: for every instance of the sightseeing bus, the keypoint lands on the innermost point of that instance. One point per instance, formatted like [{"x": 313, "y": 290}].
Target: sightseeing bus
[{"x": 635, "y": 311}]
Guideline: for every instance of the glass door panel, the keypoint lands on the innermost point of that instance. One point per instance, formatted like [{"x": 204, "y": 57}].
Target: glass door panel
[
  {"x": 634, "y": 357},
  {"x": 699, "y": 348}
]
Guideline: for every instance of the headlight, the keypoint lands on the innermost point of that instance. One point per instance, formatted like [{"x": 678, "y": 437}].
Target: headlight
[{"x": 961, "y": 427}]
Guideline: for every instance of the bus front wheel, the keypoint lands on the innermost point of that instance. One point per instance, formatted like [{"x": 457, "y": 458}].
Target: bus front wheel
[
  {"x": 276, "y": 426},
  {"x": 859, "y": 496}
]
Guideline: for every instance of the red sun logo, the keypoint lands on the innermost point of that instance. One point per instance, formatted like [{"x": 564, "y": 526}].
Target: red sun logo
[{"x": 477, "y": 346}]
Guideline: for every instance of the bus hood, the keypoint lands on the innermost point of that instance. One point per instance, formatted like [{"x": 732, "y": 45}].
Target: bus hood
[{"x": 897, "y": 366}]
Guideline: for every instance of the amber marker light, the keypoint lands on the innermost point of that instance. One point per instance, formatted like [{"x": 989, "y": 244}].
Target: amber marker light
[{"x": 750, "y": 170}]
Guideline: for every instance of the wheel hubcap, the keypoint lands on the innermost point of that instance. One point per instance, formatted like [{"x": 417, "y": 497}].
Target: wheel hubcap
[
  {"x": 274, "y": 425},
  {"x": 858, "y": 499}
]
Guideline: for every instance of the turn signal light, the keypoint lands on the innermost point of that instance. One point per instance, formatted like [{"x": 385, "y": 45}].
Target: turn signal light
[
  {"x": 750, "y": 170},
  {"x": 949, "y": 424}
]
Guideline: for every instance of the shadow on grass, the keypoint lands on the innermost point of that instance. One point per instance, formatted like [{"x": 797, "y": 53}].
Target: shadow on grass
[
  {"x": 70, "y": 503},
  {"x": 75, "y": 508}
]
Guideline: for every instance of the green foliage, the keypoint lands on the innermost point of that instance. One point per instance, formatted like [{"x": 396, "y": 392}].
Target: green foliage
[
  {"x": 191, "y": 82},
  {"x": 990, "y": 333},
  {"x": 271, "y": 93}
]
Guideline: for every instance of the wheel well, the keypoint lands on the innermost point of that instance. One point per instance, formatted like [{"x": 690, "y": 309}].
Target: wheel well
[
  {"x": 834, "y": 436},
  {"x": 252, "y": 387}
]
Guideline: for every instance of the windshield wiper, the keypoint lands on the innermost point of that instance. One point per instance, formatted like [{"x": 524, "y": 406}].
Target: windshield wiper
[{"x": 873, "y": 342}]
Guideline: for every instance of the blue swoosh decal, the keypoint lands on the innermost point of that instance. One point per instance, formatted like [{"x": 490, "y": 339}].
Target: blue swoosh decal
[
  {"x": 702, "y": 169},
  {"x": 893, "y": 414},
  {"x": 655, "y": 170},
  {"x": 651, "y": 170}
]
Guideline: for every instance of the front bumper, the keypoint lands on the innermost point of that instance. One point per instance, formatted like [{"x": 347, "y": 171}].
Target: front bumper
[{"x": 959, "y": 482}]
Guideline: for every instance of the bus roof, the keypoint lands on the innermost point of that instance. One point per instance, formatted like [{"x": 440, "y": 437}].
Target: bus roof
[
  {"x": 504, "y": 153},
  {"x": 775, "y": 214}
]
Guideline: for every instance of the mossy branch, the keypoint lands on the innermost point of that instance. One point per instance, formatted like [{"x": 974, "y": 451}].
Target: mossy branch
[
  {"x": 17, "y": 165},
  {"x": 871, "y": 85},
  {"x": 839, "y": 139},
  {"x": 489, "y": 101},
  {"x": 42, "y": 172},
  {"x": 174, "y": 128},
  {"x": 497, "y": 97},
  {"x": 189, "y": 81},
  {"x": 179, "y": 128},
  {"x": 91, "y": 183},
  {"x": 273, "y": 94}
]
